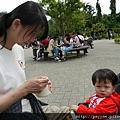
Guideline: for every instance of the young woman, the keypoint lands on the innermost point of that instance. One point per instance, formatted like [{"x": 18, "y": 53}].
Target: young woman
[
  {"x": 68, "y": 45},
  {"x": 18, "y": 28}
]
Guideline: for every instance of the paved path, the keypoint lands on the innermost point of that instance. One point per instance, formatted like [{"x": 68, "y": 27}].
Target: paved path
[{"x": 72, "y": 79}]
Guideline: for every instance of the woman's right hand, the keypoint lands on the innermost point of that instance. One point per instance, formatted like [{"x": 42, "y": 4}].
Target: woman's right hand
[{"x": 35, "y": 85}]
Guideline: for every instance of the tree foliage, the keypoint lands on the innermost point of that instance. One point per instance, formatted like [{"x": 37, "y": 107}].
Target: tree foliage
[
  {"x": 98, "y": 27},
  {"x": 66, "y": 14},
  {"x": 98, "y": 8},
  {"x": 90, "y": 11},
  {"x": 74, "y": 15},
  {"x": 113, "y": 11},
  {"x": 106, "y": 20},
  {"x": 2, "y": 13}
]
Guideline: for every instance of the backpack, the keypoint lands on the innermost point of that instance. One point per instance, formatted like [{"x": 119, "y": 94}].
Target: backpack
[{"x": 80, "y": 40}]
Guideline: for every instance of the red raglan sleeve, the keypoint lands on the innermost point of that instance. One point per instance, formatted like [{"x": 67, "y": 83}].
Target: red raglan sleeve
[{"x": 107, "y": 106}]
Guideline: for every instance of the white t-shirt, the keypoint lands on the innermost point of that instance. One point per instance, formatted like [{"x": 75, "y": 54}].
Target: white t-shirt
[
  {"x": 12, "y": 71},
  {"x": 51, "y": 43},
  {"x": 78, "y": 44}
]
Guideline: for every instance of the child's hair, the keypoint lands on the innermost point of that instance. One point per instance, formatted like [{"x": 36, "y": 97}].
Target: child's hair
[
  {"x": 31, "y": 15},
  {"x": 104, "y": 75}
]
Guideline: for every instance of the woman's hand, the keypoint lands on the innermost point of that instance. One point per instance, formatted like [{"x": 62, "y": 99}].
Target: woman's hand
[{"x": 35, "y": 85}]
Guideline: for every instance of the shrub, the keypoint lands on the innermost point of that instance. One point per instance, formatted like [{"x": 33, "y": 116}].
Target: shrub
[{"x": 117, "y": 38}]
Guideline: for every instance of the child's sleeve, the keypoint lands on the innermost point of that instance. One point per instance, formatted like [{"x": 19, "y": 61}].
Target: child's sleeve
[{"x": 107, "y": 106}]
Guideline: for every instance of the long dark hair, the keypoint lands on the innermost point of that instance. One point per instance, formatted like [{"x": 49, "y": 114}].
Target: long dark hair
[
  {"x": 30, "y": 14},
  {"x": 68, "y": 36}
]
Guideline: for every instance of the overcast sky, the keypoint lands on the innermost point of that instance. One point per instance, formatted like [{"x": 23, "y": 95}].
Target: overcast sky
[
  {"x": 105, "y": 4},
  {"x": 8, "y": 5}
]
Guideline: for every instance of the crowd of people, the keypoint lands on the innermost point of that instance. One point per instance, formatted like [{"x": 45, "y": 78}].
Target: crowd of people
[
  {"x": 59, "y": 46},
  {"x": 19, "y": 28}
]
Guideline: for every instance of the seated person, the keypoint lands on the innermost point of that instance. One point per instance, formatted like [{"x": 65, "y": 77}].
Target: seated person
[
  {"x": 68, "y": 45},
  {"x": 79, "y": 39},
  {"x": 54, "y": 48},
  {"x": 90, "y": 40},
  {"x": 35, "y": 48},
  {"x": 85, "y": 39},
  {"x": 60, "y": 41},
  {"x": 40, "y": 51},
  {"x": 105, "y": 101},
  {"x": 45, "y": 42}
]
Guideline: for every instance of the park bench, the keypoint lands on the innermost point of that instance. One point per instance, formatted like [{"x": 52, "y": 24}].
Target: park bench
[
  {"x": 46, "y": 55},
  {"x": 78, "y": 49}
]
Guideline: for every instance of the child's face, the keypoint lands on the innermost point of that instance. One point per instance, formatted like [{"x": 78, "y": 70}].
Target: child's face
[{"x": 104, "y": 90}]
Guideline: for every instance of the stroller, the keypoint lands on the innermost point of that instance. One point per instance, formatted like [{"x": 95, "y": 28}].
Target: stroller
[{"x": 117, "y": 117}]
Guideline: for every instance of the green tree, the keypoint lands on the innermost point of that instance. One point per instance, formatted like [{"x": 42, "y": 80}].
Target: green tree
[
  {"x": 118, "y": 20},
  {"x": 113, "y": 12},
  {"x": 106, "y": 20},
  {"x": 98, "y": 27},
  {"x": 98, "y": 8},
  {"x": 66, "y": 14},
  {"x": 2, "y": 13},
  {"x": 90, "y": 11}
]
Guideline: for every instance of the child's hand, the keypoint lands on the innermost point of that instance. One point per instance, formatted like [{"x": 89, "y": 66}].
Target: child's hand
[{"x": 73, "y": 107}]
